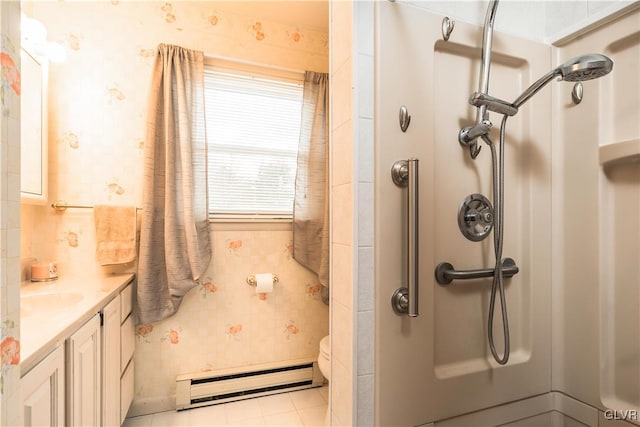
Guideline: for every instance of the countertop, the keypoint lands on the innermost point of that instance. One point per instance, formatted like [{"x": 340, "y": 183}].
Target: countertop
[{"x": 51, "y": 311}]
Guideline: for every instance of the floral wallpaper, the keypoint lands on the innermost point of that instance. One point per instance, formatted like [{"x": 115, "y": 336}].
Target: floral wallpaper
[
  {"x": 10, "y": 90},
  {"x": 97, "y": 128},
  {"x": 223, "y": 323},
  {"x": 10, "y": 71},
  {"x": 9, "y": 349}
]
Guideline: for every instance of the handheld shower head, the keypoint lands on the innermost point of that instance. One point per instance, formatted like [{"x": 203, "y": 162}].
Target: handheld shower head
[{"x": 585, "y": 67}]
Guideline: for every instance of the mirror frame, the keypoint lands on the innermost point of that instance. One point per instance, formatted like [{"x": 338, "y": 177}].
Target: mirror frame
[{"x": 33, "y": 105}]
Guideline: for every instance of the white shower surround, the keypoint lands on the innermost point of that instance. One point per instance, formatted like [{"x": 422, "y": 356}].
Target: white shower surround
[
  {"x": 361, "y": 56},
  {"x": 546, "y": 21}
]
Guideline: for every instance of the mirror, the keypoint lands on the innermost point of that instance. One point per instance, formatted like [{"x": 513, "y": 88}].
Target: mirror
[{"x": 33, "y": 129}]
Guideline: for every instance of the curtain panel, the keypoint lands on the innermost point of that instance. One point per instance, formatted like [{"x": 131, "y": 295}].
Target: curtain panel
[
  {"x": 175, "y": 249},
  {"x": 311, "y": 200}
]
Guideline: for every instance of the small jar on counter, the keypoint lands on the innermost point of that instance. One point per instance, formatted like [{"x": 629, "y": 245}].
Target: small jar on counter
[{"x": 44, "y": 271}]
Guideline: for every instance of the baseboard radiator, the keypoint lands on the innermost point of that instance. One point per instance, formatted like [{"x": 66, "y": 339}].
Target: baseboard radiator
[{"x": 208, "y": 388}]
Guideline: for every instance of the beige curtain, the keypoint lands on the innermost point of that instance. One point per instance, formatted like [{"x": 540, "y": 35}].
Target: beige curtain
[
  {"x": 311, "y": 201},
  {"x": 174, "y": 236}
]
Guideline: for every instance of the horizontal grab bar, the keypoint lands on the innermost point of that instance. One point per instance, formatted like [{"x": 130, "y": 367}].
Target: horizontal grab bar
[{"x": 445, "y": 273}]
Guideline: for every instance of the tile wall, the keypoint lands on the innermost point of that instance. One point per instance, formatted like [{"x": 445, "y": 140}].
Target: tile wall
[
  {"x": 343, "y": 220},
  {"x": 352, "y": 216},
  {"x": 364, "y": 103},
  {"x": 9, "y": 212}
]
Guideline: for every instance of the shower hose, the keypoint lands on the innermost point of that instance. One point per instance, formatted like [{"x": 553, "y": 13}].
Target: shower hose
[{"x": 498, "y": 286}]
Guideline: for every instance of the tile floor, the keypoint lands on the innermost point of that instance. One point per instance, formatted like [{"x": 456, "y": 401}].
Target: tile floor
[{"x": 298, "y": 408}]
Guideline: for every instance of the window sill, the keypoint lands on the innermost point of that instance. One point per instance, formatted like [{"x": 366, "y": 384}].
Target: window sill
[{"x": 250, "y": 224}]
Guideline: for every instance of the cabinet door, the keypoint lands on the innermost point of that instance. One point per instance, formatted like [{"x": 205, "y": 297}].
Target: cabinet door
[
  {"x": 42, "y": 392},
  {"x": 83, "y": 381},
  {"x": 111, "y": 363}
]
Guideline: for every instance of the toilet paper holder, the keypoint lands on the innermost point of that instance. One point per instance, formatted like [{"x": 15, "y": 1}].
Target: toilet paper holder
[{"x": 251, "y": 280}]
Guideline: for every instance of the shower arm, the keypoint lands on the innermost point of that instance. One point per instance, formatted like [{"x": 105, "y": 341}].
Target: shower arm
[{"x": 535, "y": 87}]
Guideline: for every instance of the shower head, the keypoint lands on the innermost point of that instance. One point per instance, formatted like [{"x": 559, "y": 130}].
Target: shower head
[{"x": 585, "y": 67}]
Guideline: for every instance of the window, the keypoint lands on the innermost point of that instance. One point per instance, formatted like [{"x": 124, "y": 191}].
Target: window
[{"x": 253, "y": 126}]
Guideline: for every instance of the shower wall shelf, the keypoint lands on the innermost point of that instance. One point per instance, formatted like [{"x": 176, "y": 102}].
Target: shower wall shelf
[{"x": 624, "y": 151}]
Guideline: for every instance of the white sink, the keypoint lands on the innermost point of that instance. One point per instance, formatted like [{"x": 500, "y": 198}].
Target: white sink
[{"x": 31, "y": 304}]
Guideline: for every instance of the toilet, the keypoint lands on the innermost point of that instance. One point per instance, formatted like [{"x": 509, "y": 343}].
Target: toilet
[
  {"x": 324, "y": 357},
  {"x": 324, "y": 363}
]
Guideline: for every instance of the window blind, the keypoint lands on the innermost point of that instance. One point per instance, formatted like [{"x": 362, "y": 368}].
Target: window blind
[{"x": 253, "y": 126}]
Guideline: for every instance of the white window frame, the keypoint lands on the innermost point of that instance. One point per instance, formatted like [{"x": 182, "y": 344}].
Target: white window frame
[{"x": 254, "y": 71}]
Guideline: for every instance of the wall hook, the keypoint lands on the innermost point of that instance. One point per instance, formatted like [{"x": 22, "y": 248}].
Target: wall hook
[
  {"x": 405, "y": 118},
  {"x": 577, "y": 92},
  {"x": 447, "y": 27}
]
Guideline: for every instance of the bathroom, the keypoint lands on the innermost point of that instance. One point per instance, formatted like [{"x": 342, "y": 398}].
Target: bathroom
[{"x": 367, "y": 387}]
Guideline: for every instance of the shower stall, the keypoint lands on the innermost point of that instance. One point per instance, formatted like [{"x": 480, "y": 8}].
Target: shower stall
[{"x": 570, "y": 254}]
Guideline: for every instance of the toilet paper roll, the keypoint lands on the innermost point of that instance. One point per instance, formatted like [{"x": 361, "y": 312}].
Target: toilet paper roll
[{"x": 264, "y": 283}]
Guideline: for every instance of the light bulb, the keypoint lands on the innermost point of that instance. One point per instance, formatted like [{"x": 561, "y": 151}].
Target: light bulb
[{"x": 33, "y": 31}]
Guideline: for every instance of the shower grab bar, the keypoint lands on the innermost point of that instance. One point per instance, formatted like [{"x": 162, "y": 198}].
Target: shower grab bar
[
  {"x": 405, "y": 174},
  {"x": 445, "y": 273}
]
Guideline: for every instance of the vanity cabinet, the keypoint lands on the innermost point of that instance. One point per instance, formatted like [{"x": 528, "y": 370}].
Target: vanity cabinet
[
  {"x": 42, "y": 392},
  {"x": 84, "y": 371},
  {"x": 87, "y": 380}
]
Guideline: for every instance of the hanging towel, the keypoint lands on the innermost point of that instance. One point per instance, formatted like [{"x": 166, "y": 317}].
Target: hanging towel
[{"x": 115, "y": 234}]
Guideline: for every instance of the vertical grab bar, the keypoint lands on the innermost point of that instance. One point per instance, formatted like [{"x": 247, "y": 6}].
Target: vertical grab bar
[{"x": 405, "y": 174}]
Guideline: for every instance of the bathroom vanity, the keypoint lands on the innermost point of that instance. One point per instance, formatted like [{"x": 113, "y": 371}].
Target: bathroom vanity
[{"x": 77, "y": 343}]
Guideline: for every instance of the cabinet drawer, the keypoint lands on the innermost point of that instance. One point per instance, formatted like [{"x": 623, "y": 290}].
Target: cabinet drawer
[
  {"x": 126, "y": 301},
  {"x": 128, "y": 342},
  {"x": 126, "y": 391}
]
